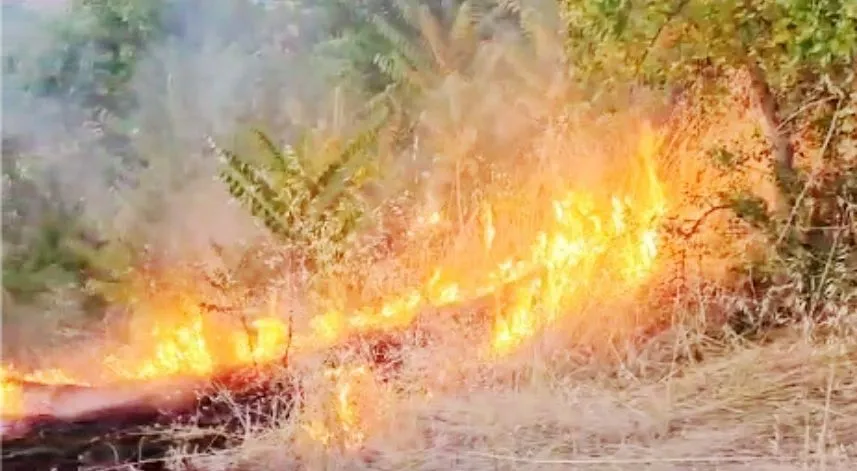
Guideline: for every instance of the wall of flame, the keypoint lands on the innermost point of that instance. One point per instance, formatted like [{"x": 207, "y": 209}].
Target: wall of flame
[{"x": 576, "y": 245}]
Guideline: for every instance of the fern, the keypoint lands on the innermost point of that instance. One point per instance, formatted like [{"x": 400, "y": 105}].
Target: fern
[
  {"x": 313, "y": 214},
  {"x": 247, "y": 185},
  {"x": 410, "y": 44},
  {"x": 338, "y": 176}
]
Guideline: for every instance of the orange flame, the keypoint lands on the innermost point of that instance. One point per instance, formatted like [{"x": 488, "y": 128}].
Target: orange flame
[
  {"x": 593, "y": 244},
  {"x": 347, "y": 424},
  {"x": 11, "y": 395}
]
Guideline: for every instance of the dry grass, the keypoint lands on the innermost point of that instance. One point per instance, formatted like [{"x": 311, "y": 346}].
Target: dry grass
[
  {"x": 788, "y": 404},
  {"x": 695, "y": 396},
  {"x": 690, "y": 397}
]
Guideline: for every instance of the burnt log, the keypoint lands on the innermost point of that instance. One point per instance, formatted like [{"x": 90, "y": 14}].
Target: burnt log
[
  {"x": 140, "y": 425},
  {"x": 137, "y": 424}
]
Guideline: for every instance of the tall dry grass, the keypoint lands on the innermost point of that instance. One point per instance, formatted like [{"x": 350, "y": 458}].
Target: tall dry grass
[
  {"x": 788, "y": 404},
  {"x": 655, "y": 381}
]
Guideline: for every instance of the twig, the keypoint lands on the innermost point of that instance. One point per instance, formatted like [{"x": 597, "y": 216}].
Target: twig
[
  {"x": 827, "y": 266},
  {"x": 161, "y": 460},
  {"x": 812, "y": 176},
  {"x": 803, "y": 108},
  {"x": 289, "y": 339},
  {"x": 251, "y": 345},
  {"x": 696, "y": 225},
  {"x": 822, "y": 434},
  {"x": 670, "y": 16}
]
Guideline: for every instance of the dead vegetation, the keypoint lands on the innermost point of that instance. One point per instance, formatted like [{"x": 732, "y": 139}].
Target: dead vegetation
[{"x": 788, "y": 403}]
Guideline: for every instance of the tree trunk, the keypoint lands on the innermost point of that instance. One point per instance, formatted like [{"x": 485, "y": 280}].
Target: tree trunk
[
  {"x": 781, "y": 146},
  {"x": 140, "y": 424},
  {"x": 68, "y": 427}
]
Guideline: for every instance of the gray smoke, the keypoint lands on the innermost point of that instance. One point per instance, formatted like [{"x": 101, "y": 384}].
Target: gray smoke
[{"x": 224, "y": 65}]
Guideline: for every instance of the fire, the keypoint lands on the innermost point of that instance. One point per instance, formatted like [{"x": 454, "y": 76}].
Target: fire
[
  {"x": 345, "y": 421},
  {"x": 618, "y": 238},
  {"x": 588, "y": 244},
  {"x": 12, "y": 401},
  {"x": 588, "y": 238},
  {"x": 11, "y": 395}
]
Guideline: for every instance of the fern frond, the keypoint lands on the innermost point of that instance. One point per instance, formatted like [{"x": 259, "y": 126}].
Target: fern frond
[
  {"x": 250, "y": 188},
  {"x": 397, "y": 71},
  {"x": 462, "y": 25},
  {"x": 407, "y": 10},
  {"x": 288, "y": 168},
  {"x": 431, "y": 33},
  {"x": 340, "y": 172},
  {"x": 511, "y": 6},
  {"x": 401, "y": 45},
  {"x": 278, "y": 160},
  {"x": 315, "y": 215}
]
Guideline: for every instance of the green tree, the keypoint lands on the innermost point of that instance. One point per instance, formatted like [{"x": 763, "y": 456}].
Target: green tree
[
  {"x": 92, "y": 53},
  {"x": 800, "y": 56},
  {"x": 785, "y": 46}
]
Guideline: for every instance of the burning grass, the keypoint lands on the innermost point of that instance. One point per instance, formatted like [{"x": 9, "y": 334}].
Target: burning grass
[
  {"x": 542, "y": 315},
  {"x": 572, "y": 242},
  {"x": 510, "y": 354},
  {"x": 786, "y": 404}
]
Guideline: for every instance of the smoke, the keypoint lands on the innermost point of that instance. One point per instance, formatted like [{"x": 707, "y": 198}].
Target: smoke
[
  {"x": 143, "y": 175},
  {"x": 219, "y": 66},
  {"x": 216, "y": 68}
]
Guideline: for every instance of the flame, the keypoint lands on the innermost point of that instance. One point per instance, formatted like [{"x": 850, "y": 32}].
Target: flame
[
  {"x": 589, "y": 244},
  {"x": 613, "y": 239},
  {"x": 11, "y": 395},
  {"x": 12, "y": 398},
  {"x": 345, "y": 422}
]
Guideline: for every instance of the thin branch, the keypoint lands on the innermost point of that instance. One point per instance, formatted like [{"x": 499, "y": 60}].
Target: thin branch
[
  {"x": 803, "y": 108},
  {"x": 766, "y": 102},
  {"x": 827, "y": 266},
  {"x": 812, "y": 176},
  {"x": 248, "y": 331},
  {"x": 700, "y": 220},
  {"x": 289, "y": 339},
  {"x": 822, "y": 434},
  {"x": 670, "y": 17}
]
